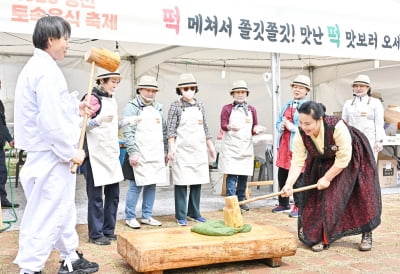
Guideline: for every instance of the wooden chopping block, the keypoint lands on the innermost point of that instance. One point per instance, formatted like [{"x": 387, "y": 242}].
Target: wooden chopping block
[{"x": 155, "y": 250}]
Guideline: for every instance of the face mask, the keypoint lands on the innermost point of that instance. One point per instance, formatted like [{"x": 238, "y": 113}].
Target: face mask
[
  {"x": 189, "y": 94},
  {"x": 146, "y": 100}
]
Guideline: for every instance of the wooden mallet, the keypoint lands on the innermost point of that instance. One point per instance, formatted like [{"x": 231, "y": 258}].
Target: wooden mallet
[
  {"x": 233, "y": 216},
  {"x": 105, "y": 59}
]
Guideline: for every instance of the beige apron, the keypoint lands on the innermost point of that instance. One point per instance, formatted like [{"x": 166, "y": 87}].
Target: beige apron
[
  {"x": 104, "y": 147},
  {"x": 191, "y": 165},
  {"x": 361, "y": 116},
  {"x": 237, "y": 152},
  {"x": 149, "y": 140}
]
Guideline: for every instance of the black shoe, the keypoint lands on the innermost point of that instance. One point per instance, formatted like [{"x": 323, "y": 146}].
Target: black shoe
[
  {"x": 103, "y": 240},
  {"x": 37, "y": 272},
  {"x": 244, "y": 207},
  {"x": 111, "y": 237},
  {"x": 7, "y": 204},
  {"x": 80, "y": 266}
]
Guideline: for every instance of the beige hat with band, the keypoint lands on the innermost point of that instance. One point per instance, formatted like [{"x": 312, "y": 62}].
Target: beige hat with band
[
  {"x": 303, "y": 81},
  {"x": 362, "y": 80}
]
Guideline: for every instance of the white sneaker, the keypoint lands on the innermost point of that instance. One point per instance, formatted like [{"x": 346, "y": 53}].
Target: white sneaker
[
  {"x": 132, "y": 223},
  {"x": 150, "y": 221}
]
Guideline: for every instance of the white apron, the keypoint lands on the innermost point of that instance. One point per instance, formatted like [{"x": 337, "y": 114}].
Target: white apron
[
  {"x": 191, "y": 165},
  {"x": 104, "y": 148},
  {"x": 149, "y": 140},
  {"x": 237, "y": 152},
  {"x": 361, "y": 116}
]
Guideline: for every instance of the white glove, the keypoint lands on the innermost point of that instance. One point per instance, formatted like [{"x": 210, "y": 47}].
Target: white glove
[
  {"x": 104, "y": 119},
  {"x": 213, "y": 154},
  {"x": 378, "y": 146},
  {"x": 289, "y": 125},
  {"x": 282, "y": 126},
  {"x": 134, "y": 159},
  {"x": 172, "y": 152},
  {"x": 233, "y": 127},
  {"x": 258, "y": 129},
  {"x": 130, "y": 120},
  {"x": 211, "y": 150}
]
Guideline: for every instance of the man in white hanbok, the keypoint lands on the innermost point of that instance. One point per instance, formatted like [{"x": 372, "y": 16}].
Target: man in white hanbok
[{"x": 46, "y": 126}]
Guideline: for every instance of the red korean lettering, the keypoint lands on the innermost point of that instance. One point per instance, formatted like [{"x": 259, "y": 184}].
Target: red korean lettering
[
  {"x": 73, "y": 17},
  {"x": 110, "y": 21},
  {"x": 37, "y": 13},
  {"x": 19, "y": 13},
  {"x": 172, "y": 19},
  {"x": 93, "y": 20}
]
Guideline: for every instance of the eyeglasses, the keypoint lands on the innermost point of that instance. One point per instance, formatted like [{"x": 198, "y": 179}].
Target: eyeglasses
[{"x": 189, "y": 88}]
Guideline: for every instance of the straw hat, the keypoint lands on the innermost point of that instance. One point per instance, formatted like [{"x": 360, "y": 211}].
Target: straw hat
[
  {"x": 302, "y": 80},
  {"x": 239, "y": 85},
  {"x": 103, "y": 73},
  {"x": 362, "y": 80},
  {"x": 148, "y": 82},
  {"x": 186, "y": 80}
]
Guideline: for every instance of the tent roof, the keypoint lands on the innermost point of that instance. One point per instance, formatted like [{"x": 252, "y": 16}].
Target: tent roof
[{"x": 20, "y": 44}]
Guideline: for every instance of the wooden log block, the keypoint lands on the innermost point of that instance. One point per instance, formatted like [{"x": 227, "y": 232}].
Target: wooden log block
[{"x": 155, "y": 250}]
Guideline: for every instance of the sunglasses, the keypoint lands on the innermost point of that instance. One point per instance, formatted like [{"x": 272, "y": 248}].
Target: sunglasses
[{"x": 189, "y": 88}]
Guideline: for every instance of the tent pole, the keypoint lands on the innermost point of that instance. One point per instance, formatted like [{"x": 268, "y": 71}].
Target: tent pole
[{"x": 276, "y": 106}]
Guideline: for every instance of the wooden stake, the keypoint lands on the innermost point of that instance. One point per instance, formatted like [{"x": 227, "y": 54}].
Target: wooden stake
[{"x": 232, "y": 215}]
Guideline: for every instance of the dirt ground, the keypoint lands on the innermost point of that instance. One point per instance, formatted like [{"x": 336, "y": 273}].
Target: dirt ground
[{"x": 342, "y": 257}]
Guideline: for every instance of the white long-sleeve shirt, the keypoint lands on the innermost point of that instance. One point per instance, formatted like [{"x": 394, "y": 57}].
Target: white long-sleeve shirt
[
  {"x": 366, "y": 114},
  {"x": 45, "y": 113}
]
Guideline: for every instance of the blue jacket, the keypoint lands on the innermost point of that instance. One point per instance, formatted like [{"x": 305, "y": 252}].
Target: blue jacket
[{"x": 295, "y": 122}]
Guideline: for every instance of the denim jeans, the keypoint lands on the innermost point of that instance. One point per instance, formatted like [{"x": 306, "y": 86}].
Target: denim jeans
[
  {"x": 132, "y": 197},
  {"x": 236, "y": 185}
]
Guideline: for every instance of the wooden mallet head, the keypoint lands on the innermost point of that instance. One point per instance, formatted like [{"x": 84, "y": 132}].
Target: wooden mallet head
[
  {"x": 232, "y": 215},
  {"x": 103, "y": 58}
]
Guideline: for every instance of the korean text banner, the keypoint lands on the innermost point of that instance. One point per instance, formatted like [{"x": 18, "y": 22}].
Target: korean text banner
[{"x": 339, "y": 28}]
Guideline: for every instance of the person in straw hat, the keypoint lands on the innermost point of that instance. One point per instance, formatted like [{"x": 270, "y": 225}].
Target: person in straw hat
[
  {"x": 239, "y": 122},
  {"x": 286, "y": 125},
  {"x": 146, "y": 145},
  {"x": 188, "y": 140},
  {"x": 101, "y": 168},
  {"x": 365, "y": 113},
  {"x": 46, "y": 126}
]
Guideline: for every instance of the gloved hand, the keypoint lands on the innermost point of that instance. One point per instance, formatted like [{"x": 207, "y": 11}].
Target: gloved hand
[
  {"x": 104, "y": 119},
  {"x": 134, "y": 159},
  {"x": 211, "y": 150},
  {"x": 130, "y": 120},
  {"x": 378, "y": 146},
  {"x": 172, "y": 151},
  {"x": 259, "y": 129},
  {"x": 289, "y": 125},
  {"x": 282, "y": 126},
  {"x": 78, "y": 157},
  {"x": 233, "y": 127}
]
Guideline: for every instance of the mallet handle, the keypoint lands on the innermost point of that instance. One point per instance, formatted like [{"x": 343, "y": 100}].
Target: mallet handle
[
  {"x": 300, "y": 189},
  {"x": 86, "y": 117}
]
